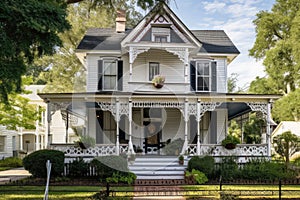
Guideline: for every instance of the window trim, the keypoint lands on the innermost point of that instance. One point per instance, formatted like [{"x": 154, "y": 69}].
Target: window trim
[
  {"x": 149, "y": 70},
  {"x": 209, "y": 76},
  {"x": 111, "y": 60}
]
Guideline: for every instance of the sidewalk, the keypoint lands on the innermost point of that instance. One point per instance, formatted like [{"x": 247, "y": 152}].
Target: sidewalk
[{"x": 13, "y": 174}]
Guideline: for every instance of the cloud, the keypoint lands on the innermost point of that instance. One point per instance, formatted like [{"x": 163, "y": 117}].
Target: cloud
[{"x": 213, "y": 6}]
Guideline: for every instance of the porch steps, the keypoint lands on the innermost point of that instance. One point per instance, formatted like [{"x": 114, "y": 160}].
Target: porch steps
[{"x": 158, "y": 168}]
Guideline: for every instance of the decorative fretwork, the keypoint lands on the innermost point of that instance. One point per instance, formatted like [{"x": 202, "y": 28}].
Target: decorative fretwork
[
  {"x": 124, "y": 109},
  {"x": 58, "y": 106},
  {"x": 259, "y": 106},
  {"x": 135, "y": 51},
  {"x": 207, "y": 106},
  {"x": 148, "y": 104},
  {"x": 182, "y": 53},
  {"x": 193, "y": 109},
  {"x": 108, "y": 106},
  {"x": 123, "y": 148}
]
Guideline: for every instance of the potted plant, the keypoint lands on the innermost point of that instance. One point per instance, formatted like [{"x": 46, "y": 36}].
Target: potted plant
[
  {"x": 158, "y": 81},
  {"x": 230, "y": 142},
  {"x": 139, "y": 150},
  {"x": 85, "y": 142},
  {"x": 181, "y": 159}
]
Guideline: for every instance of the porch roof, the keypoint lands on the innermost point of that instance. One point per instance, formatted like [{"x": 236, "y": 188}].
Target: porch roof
[{"x": 235, "y": 103}]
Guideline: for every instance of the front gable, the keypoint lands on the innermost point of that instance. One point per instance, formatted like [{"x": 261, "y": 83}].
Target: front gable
[{"x": 161, "y": 26}]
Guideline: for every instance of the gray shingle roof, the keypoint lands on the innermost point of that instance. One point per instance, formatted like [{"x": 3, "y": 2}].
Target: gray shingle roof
[
  {"x": 214, "y": 41},
  {"x": 102, "y": 39}
]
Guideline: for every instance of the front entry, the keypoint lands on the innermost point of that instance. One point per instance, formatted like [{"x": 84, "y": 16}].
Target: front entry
[{"x": 152, "y": 121}]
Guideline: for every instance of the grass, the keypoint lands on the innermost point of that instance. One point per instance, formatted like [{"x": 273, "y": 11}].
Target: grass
[
  {"x": 55, "y": 192},
  {"x": 84, "y": 192}
]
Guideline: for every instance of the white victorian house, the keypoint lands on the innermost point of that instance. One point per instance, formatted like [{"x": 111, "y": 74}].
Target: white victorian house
[{"x": 124, "y": 111}]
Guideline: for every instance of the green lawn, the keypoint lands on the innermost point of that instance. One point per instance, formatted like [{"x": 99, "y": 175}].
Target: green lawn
[{"x": 84, "y": 192}]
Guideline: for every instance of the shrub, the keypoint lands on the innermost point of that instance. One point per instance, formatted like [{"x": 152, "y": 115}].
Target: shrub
[
  {"x": 265, "y": 170},
  {"x": 78, "y": 168},
  {"x": 230, "y": 142},
  {"x": 204, "y": 164},
  {"x": 107, "y": 165},
  {"x": 198, "y": 176},
  {"x": 35, "y": 163},
  {"x": 229, "y": 169},
  {"x": 11, "y": 162},
  {"x": 121, "y": 177}
]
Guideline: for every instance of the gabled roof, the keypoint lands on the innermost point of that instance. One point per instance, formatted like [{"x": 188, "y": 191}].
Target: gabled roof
[
  {"x": 215, "y": 41},
  {"x": 102, "y": 39},
  {"x": 107, "y": 39}
]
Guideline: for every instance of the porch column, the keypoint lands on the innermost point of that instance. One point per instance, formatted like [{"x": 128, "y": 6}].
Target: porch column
[
  {"x": 117, "y": 122},
  {"x": 21, "y": 138},
  {"x": 48, "y": 136},
  {"x": 269, "y": 128},
  {"x": 198, "y": 119},
  {"x": 186, "y": 120},
  {"x": 37, "y": 138},
  {"x": 130, "y": 145}
]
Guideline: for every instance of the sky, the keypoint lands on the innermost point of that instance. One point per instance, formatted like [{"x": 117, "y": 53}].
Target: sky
[{"x": 235, "y": 17}]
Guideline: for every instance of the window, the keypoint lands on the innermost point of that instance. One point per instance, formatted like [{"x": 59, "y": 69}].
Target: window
[
  {"x": 2, "y": 143},
  {"x": 203, "y": 76},
  {"x": 153, "y": 70},
  {"x": 110, "y": 73},
  {"x": 161, "y": 38}
]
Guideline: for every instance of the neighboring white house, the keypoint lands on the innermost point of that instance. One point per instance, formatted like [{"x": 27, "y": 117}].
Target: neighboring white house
[
  {"x": 122, "y": 109},
  {"x": 284, "y": 126},
  {"x": 14, "y": 142}
]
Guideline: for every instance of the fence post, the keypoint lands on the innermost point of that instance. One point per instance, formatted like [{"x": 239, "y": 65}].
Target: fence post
[
  {"x": 279, "y": 189},
  {"x": 107, "y": 189},
  {"x": 220, "y": 183}
]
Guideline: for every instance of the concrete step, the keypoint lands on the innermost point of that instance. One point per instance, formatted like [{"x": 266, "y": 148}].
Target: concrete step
[{"x": 157, "y": 168}]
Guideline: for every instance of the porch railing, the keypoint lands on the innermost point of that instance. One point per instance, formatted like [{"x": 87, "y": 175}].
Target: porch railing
[
  {"x": 70, "y": 150},
  {"x": 243, "y": 152}
]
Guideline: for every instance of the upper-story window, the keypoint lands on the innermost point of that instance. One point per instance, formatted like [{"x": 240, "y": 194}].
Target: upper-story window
[
  {"x": 203, "y": 76},
  {"x": 153, "y": 70},
  {"x": 161, "y": 34},
  {"x": 109, "y": 74}
]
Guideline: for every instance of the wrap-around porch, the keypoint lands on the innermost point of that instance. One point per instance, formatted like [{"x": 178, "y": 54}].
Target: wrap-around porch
[{"x": 128, "y": 111}]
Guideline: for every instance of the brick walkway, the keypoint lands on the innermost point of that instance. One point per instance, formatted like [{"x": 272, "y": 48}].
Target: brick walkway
[{"x": 158, "y": 192}]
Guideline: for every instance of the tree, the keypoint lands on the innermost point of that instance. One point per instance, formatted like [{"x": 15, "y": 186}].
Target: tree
[
  {"x": 263, "y": 86},
  {"x": 63, "y": 71},
  {"x": 286, "y": 145},
  {"x": 288, "y": 107},
  {"x": 277, "y": 42},
  {"x": 253, "y": 128},
  {"x": 35, "y": 25}
]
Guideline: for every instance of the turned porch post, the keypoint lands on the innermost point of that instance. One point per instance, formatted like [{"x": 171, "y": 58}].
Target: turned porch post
[
  {"x": 130, "y": 145},
  {"x": 198, "y": 119},
  {"x": 269, "y": 129},
  {"x": 117, "y": 131},
  {"x": 48, "y": 137},
  {"x": 186, "y": 120}
]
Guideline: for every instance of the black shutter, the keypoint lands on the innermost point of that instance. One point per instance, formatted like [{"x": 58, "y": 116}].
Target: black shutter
[
  {"x": 120, "y": 75},
  {"x": 193, "y": 75},
  {"x": 100, "y": 74},
  {"x": 214, "y": 76}
]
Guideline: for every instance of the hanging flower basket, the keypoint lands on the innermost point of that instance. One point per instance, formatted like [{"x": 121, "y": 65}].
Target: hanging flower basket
[{"x": 158, "y": 81}]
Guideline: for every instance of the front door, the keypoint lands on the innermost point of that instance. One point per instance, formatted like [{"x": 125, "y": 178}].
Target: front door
[{"x": 152, "y": 130}]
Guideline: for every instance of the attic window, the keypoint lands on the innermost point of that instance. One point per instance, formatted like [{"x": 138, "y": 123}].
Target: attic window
[{"x": 160, "y": 34}]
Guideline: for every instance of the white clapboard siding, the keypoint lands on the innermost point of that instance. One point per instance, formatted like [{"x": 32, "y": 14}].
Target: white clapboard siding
[{"x": 221, "y": 76}]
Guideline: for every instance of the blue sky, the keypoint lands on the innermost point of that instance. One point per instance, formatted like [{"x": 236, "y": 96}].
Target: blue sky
[{"x": 233, "y": 16}]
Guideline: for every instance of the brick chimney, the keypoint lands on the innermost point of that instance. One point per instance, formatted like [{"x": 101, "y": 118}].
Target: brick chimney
[{"x": 121, "y": 21}]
